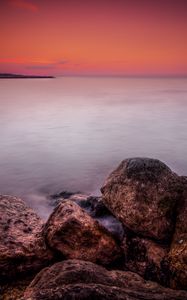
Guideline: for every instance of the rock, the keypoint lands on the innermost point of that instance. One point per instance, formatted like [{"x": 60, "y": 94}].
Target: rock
[
  {"x": 146, "y": 258},
  {"x": 177, "y": 256},
  {"x": 181, "y": 219},
  {"x": 63, "y": 194},
  {"x": 92, "y": 204},
  {"x": 55, "y": 199},
  {"x": 143, "y": 194},
  {"x": 72, "y": 232},
  {"x": 22, "y": 247},
  {"x": 78, "y": 280},
  {"x": 15, "y": 289},
  {"x": 113, "y": 226},
  {"x": 95, "y": 207},
  {"x": 178, "y": 265}
]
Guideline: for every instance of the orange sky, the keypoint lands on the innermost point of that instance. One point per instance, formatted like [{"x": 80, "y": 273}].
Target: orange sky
[{"x": 104, "y": 37}]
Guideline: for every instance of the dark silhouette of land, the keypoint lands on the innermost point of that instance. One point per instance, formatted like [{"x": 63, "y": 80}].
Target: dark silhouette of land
[{"x": 18, "y": 76}]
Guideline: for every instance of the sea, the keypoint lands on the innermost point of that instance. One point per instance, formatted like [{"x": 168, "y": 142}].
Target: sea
[{"x": 69, "y": 133}]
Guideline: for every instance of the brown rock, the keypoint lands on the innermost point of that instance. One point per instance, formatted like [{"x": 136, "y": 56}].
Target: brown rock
[
  {"x": 178, "y": 265},
  {"x": 181, "y": 220},
  {"x": 146, "y": 258},
  {"x": 95, "y": 207},
  {"x": 15, "y": 289},
  {"x": 22, "y": 247},
  {"x": 78, "y": 280},
  {"x": 72, "y": 232},
  {"x": 178, "y": 253},
  {"x": 143, "y": 193}
]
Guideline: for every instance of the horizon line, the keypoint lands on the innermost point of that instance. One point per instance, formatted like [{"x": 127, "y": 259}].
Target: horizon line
[
  {"x": 124, "y": 76},
  {"x": 103, "y": 75}
]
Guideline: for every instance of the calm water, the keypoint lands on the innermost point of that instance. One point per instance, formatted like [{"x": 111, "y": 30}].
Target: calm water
[{"x": 69, "y": 133}]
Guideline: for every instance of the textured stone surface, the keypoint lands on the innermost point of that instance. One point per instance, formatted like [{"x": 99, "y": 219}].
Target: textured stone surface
[
  {"x": 14, "y": 289},
  {"x": 178, "y": 266},
  {"x": 22, "y": 247},
  {"x": 178, "y": 254},
  {"x": 74, "y": 279},
  {"x": 95, "y": 207},
  {"x": 146, "y": 258},
  {"x": 143, "y": 193},
  {"x": 181, "y": 219},
  {"x": 72, "y": 232}
]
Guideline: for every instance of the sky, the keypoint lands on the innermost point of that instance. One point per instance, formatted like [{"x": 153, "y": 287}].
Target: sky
[{"x": 94, "y": 37}]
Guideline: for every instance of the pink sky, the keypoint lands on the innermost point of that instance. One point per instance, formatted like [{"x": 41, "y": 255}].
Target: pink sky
[{"x": 122, "y": 37}]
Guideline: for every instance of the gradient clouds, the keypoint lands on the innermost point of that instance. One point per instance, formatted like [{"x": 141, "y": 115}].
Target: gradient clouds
[
  {"x": 24, "y": 4},
  {"x": 122, "y": 37}
]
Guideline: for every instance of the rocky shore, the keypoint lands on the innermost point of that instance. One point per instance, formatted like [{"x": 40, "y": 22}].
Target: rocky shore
[{"x": 130, "y": 243}]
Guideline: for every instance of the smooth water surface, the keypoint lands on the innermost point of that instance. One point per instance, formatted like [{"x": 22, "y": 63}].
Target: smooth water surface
[{"x": 68, "y": 133}]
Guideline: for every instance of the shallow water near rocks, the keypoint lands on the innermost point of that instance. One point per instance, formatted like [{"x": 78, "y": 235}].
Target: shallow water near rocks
[{"x": 69, "y": 133}]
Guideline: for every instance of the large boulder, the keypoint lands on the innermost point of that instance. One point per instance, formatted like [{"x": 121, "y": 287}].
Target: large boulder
[
  {"x": 22, "y": 246},
  {"x": 178, "y": 253},
  {"x": 73, "y": 233},
  {"x": 81, "y": 280},
  {"x": 143, "y": 194}
]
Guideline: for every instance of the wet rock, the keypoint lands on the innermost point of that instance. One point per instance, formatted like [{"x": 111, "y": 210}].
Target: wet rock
[
  {"x": 72, "y": 232},
  {"x": 146, "y": 258},
  {"x": 83, "y": 201},
  {"x": 92, "y": 204},
  {"x": 177, "y": 257},
  {"x": 63, "y": 194},
  {"x": 113, "y": 225},
  {"x": 143, "y": 194},
  {"x": 22, "y": 246},
  {"x": 95, "y": 207},
  {"x": 55, "y": 199},
  {"x": 75, "y": 279}
]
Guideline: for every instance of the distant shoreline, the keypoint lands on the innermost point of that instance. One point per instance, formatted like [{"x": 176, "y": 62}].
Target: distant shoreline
[{"x": 20, "y": 76}]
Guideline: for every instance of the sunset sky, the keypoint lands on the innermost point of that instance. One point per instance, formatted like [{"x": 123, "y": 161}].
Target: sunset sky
[{"x": 96, "y": 37}]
